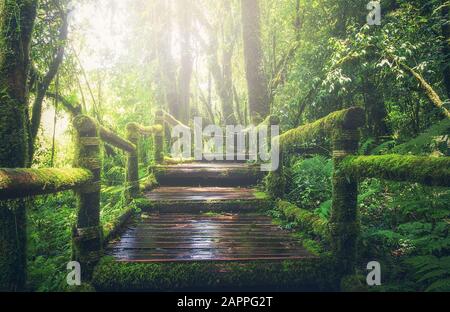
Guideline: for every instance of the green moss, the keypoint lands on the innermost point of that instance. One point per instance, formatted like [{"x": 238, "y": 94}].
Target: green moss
[
  {"x": 212, "y": 214},
  {"x": 351, "y": 118},
  {"x": 250, "y": 205},
  {"x": 27, "y": 182},
  {"x": 136, "y": 129},
  {"x": 421, "y": 169},
  {"x": 150, "y": 182},
  {"x": 305, "y": 274},
  {"x": 260, "y": 195},
  {"x": 176, "y": 161},
  {"x": 113, "y": 228},
  {"x": 275, "y": 184},
  {"x": 306, "y": 220}
]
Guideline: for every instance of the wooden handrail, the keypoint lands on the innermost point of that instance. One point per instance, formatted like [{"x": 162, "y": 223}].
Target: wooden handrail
[
  {"x": 113, "y": 139},
  {"x": 421, "y": 169},
  {"x": 171, "y": 120},
  {"x": 350, "y": 118},
  {"x": 20, "y": 183}
]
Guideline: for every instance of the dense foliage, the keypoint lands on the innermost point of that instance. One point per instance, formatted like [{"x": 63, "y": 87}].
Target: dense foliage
[{"x": 120, "y": 61}]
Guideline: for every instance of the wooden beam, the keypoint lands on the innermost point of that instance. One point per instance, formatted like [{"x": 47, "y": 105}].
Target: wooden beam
[
  {"x": 113, "y": 139},
  {"x": 20, "y": 183}
]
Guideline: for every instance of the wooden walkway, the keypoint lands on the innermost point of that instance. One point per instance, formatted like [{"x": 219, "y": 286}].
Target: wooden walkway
[
  {"x": 189, "y": 237},
  {"x": 193, "y": 216}
]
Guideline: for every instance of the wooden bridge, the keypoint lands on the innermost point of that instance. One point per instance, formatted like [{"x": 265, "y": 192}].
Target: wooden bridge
[{"x": 205, "y": 225}]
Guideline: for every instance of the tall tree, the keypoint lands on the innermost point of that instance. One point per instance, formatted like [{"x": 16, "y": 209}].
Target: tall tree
[
  {"x": 43, "y": 81},
  {"x": 221, "y": 34},
  {"x": 258, "y": 97},
  {"x": 446, "y": 44},
  {"x": 167, "y": 68},
  {"x": 16, "y": 28},
  {"x": 186, "y": 66}
]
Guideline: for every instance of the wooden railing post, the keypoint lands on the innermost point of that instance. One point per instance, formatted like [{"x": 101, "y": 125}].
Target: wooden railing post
[
  {"x": 344, "y": 225},
  {"x": 132, "y": 174},
  {"x": 87, "y": 235},
  {"x": 159, "y": 137}
]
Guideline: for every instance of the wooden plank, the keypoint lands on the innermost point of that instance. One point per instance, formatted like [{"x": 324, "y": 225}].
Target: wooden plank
[
  {"x": 193, "y": 237},
  {"x": 200, "y": 193},
  {"x": 218, "y": 259},
  {"x": 198, "y": 238},
  {"x": 205, "y": 253},
  {"x": 201, "y": 244}
]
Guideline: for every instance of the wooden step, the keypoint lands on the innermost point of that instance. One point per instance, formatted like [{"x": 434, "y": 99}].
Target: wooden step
[
  {"x": 183, "y": 251},
  {"x": 205, "y": 199},
  {"x": 162, "y": 237},
  {"x": 238, "y": 158},
  {"x": 278, "y": 274},
  {"x": 208, "y": 174}
]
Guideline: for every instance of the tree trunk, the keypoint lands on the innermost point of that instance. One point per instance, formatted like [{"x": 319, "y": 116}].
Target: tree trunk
[
  {"x": 166, "y": 61},
  {"x": 375, "y": 109},
  {"x": 446, "y": 46},
  {"x": 258, "y": 97},
  {"x": 184, "y": 79},
  {"x": 16, "y": 27},
  {"x": 227, "y": 69},
  {"x": 44, "y": 84}
]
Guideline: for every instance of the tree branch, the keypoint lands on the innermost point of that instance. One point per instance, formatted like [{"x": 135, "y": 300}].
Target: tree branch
[{"x": 44, "y": 83}]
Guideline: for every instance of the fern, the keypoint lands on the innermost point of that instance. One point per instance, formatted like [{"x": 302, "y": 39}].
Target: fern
[{"x": 432, "y": 273}]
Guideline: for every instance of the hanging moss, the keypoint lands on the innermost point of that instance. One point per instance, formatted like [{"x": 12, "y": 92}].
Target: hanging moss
[
  {"x": 421, "y": 169},
  {"x": 305, "y": 274},
  {"x": 16, "y": 183},
  {"x": 350, "y": 118}
]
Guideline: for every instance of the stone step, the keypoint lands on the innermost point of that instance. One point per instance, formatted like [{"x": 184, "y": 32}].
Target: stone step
[{"x": 207, "y": 174}]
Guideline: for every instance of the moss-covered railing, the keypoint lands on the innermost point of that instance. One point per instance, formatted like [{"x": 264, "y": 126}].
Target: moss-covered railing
[
  {"x": 342, "y": 129},
  {"x": 84, "y": 179}
]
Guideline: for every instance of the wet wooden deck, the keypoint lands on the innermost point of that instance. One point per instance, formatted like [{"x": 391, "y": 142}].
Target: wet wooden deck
[
  {"x": 194, "y": 237},
  {"x": 200, "y": 193},
  {"x": 207, "y": 174}
]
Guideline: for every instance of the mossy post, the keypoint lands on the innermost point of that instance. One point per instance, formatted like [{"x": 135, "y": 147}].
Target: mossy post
[
  {"x": 275, "y": 181},
  {"x": 344, "y": 225},
  {"x": 87, "y": 235},
  {"x": 159, "y": 137},
  {"x": 133, "y": 162}
]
